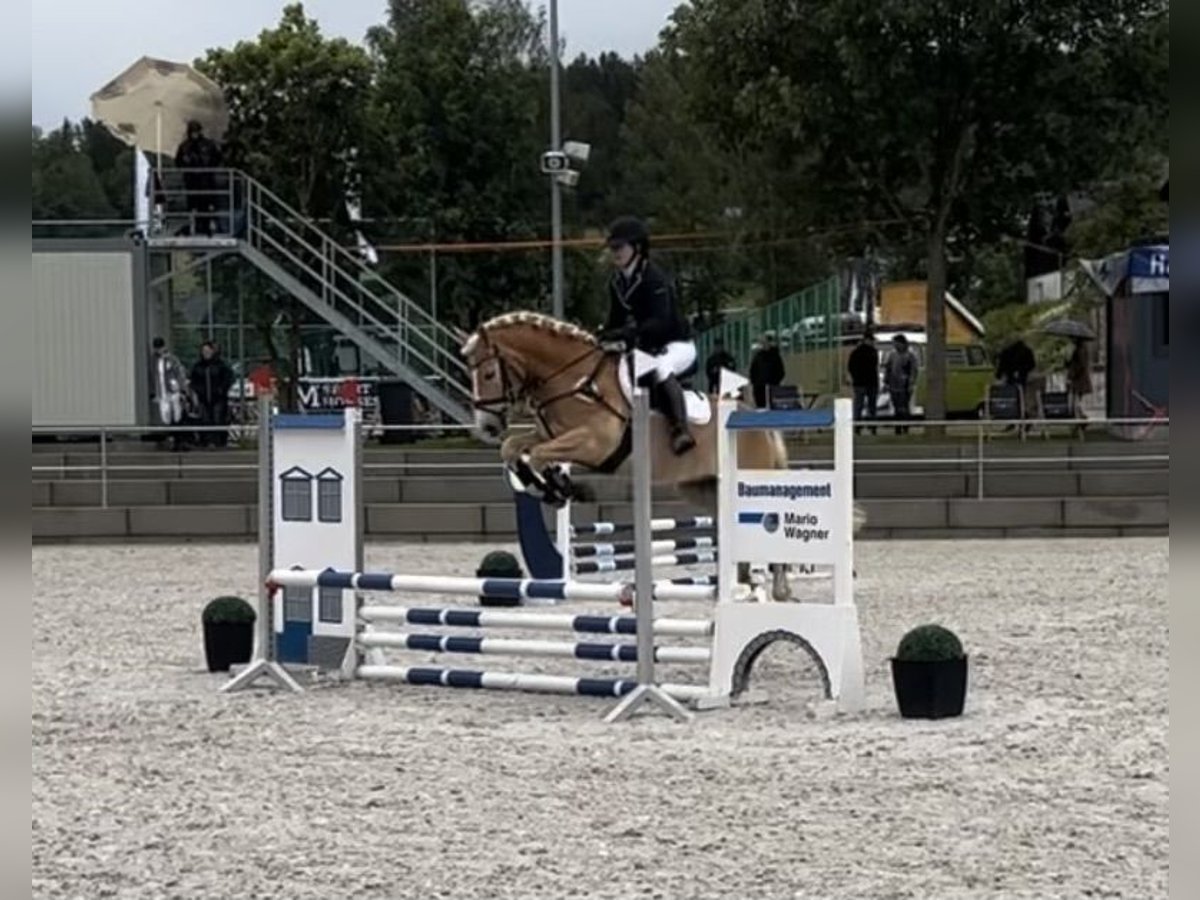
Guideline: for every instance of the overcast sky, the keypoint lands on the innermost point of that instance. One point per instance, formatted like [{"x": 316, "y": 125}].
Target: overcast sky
[{"x": 78, "y": 45}]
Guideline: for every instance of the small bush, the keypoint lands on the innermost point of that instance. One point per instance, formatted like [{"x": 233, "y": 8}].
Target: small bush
[
  {"x": 929, "y": 643},
  {"x": 228, "y": 609},
  {"x": 499, "y": 564}
]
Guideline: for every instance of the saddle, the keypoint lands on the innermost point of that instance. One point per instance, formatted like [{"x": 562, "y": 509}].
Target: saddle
[{"x": 699, "y": 409}]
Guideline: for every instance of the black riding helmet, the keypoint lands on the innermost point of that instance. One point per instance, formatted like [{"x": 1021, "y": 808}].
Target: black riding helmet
[{"x": 632, "y": 231}]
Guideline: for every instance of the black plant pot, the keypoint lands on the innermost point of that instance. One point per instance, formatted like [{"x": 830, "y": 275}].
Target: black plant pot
[
  {"x": 227, "y": 644},
  {"x": 930, "y": 690}
]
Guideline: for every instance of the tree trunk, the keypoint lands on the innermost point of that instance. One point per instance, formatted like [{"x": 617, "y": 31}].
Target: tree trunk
[{"x": 935, "y": 327}]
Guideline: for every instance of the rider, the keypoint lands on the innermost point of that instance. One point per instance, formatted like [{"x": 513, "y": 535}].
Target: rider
[{"x": 644, "y": 313}]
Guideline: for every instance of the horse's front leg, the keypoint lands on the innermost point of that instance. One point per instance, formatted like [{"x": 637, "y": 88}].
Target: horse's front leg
[
  {"x": 579, "y": 445},
  {"x": 514, "y": 453},
  {"x": 515, "y": 446}
]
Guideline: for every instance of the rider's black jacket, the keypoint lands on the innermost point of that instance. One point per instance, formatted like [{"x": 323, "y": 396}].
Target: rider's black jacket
[{"x": 646, "y": 299}]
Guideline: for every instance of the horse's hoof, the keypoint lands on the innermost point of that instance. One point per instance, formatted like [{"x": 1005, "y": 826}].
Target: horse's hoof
[
  {"x": 525, "y": 474},
  {"x": 559, "y": 486}
]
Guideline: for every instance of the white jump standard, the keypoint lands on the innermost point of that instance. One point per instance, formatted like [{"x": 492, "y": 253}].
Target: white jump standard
[{"x": 321, "y": 613}]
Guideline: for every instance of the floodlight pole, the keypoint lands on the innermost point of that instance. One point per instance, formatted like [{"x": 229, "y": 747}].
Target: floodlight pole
[{"x": 556, "y": 253}]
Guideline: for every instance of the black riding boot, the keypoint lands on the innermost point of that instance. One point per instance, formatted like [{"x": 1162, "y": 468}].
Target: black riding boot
[{"x": 676, "y": 410}]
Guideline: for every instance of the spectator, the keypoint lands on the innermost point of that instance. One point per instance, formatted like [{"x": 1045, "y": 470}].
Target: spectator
[
  {"x": 1013, "y": 366},
  {"x": 170, "y": 383},
  {"x": 766, "y": 369},
  {"x": 1015, "y": 362},
  {"x": 1079, "y": 372},
  {"x": 900, "y": 379},
  {"x": 198, "y": 156},
  {"x": 210, "y": 381},
  {"x": 1079, "y": 377},
  {"x": 863, "y": 368},
  {"x": 720, "y": 359}
]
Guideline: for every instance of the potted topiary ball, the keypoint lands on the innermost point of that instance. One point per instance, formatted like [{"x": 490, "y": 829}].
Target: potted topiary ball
[
  {"x": 499, "y": 564},
  {"x": 929, "y": 673},
  {"x": 228, "y": 632}
]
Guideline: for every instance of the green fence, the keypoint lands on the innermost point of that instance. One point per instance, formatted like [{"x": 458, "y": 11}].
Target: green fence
[{"x": 808, "y": 320}]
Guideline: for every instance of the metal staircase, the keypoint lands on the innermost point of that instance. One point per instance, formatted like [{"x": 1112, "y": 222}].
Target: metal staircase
[{"x": 335, "y": 285}]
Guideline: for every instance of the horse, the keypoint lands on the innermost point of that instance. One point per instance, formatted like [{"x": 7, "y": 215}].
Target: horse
[{"x": 571, "y": 384}]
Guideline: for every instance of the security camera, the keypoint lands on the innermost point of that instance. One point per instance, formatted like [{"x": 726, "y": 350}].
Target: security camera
[
  {"x": 577, "y": 150},
  {"x": 554, "y": 161},
  {"x": 569, "y": 178}
]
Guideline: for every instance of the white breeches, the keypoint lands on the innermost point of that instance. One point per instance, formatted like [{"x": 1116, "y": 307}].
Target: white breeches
[
  {"x": 170, "y": 408},
  {"x": 677, "y": 357}
]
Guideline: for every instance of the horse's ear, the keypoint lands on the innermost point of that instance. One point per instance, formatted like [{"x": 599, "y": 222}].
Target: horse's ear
[{"x": 469, "y": 344}]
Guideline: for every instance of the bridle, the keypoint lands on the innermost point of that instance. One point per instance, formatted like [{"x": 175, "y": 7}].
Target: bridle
[{"x": 513, "y": 390}]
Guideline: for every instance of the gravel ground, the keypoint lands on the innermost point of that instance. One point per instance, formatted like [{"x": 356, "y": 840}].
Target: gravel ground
[{"x": 147, "y": 783}]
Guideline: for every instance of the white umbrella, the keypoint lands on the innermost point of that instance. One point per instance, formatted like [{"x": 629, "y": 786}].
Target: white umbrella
[{"x": 149, "y": 105}]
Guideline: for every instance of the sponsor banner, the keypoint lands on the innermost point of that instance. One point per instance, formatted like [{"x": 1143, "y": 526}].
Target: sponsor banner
[{"x": 784, "y": 517}]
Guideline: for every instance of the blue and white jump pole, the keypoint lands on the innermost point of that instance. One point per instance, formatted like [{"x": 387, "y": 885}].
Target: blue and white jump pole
[{"x": 764, "y": 517}]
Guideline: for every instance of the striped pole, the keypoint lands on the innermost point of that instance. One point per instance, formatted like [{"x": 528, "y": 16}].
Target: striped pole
[
  {"x": 518, "y": 681},
  {"x": 619, "y": 548},
  {"x": 489, "y": 618},
  {"x": 694, "y": 579},
  {"x": 507, "y": 588},
  {"x": 447, "y": 643},
  {"x": 627, "y": 563},
  {"x": 687, "y": 523}
]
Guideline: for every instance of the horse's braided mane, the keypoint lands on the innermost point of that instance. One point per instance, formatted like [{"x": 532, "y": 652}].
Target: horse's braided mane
[{"x": 539, "y": 321}]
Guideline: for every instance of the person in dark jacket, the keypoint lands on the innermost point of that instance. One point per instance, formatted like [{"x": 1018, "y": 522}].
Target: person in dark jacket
[
  {"x": 900, "y": 371},
  {"x": 644, "y": 314},
  {"x": 766, "y": 369},
  {"x": 863, "y": 368},
  {"x": 210, "y": 380},
  {"x": 199, "y": 152},
  {"x": 720, "y": 359},
  {"x": 1015, "y": 362},
  {"x": 1014, "y": 365}
]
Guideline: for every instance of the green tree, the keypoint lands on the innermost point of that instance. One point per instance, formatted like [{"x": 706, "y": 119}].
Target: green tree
[
  {"x": 65, "y": 183},
  {"x": 1126, "y": 209},
  {"x": 297, "y": 103},
  {"x": 678, "y": 171},
  {"x": 112, "y": 161},
  {"x": 596, "y": 93},
  {"x": 296, "y": 109},
  {"x": 937, "y": 121},
  {"x": 453, "y": 142}
]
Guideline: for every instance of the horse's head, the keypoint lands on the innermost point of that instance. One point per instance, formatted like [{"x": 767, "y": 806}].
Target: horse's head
[
  {"x": 515, "y": 356},
  {"x": 493, "y": 389}
]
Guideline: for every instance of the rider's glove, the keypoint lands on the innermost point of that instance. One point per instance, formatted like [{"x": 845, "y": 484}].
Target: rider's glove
[{"x": 625, "y": 334}]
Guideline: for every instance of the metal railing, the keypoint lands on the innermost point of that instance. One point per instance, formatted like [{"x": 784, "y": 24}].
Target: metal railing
[
  {"x": 977, "y": 433},
  {"x": 198, "y": 208},
  {"x": 810, "y": 319},
  {"x": 384, "y": 321}
]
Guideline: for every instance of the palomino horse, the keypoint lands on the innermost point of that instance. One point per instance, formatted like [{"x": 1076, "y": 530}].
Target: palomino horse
[{"x": 571, "y": 385}]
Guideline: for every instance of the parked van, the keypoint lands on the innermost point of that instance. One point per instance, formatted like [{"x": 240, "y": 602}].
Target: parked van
[{"x": 968, "y": 372}]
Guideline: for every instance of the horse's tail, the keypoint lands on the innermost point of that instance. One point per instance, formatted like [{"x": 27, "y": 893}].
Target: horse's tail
[{"x": 778, "y": 450}]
